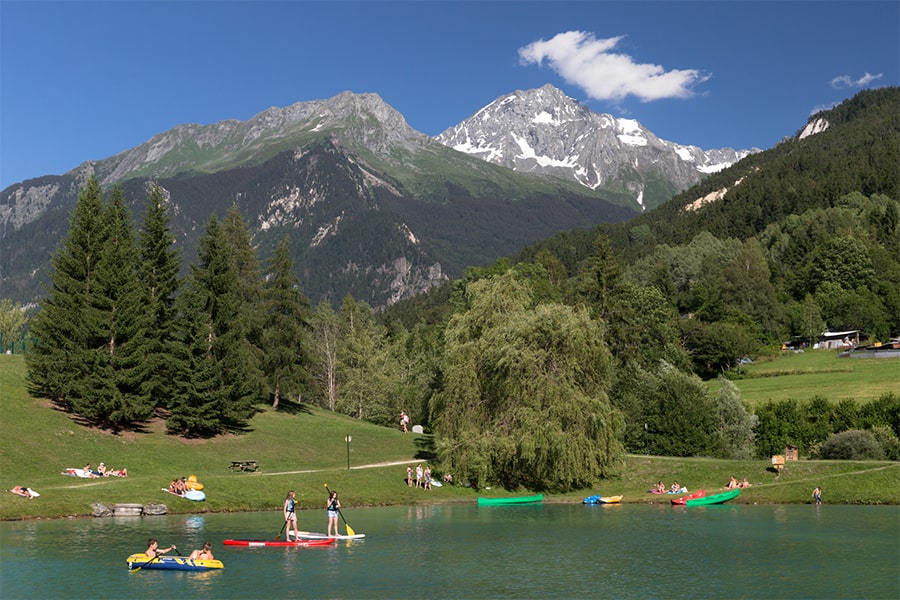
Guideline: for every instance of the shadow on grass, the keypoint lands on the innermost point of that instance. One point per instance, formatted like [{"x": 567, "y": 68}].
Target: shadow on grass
[
  {"x": 426, "y": 450},
  {"x": 293, "y": 408}
]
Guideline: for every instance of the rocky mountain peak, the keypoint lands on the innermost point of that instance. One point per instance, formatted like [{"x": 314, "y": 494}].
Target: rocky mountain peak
[{"x": 544, "y": 131}]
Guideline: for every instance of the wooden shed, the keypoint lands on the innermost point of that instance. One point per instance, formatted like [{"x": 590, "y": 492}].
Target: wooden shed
[{"x": 791, "y": 452}]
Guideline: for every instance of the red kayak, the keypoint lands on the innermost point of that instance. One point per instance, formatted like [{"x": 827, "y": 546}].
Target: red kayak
[
  {"x": 684, "y": 499},
  {"x": 261, "y": 543}
]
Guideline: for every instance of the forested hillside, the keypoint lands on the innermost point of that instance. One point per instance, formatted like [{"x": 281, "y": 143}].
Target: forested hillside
[
  {"x": 541, "y": 370},
  {"x": 790, "y": 242}
]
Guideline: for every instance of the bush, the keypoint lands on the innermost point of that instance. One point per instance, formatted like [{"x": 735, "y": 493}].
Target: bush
[
  {"x": 890, "y": 444},
  {"x": 853, "y": 444}
]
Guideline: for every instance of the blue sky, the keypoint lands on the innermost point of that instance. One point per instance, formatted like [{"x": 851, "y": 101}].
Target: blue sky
[{"x": 86, "y": 80}]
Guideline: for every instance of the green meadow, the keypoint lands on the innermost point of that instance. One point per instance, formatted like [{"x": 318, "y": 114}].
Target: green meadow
[
  {"x": 307, "y": 449},
  {"x": 805, "y": 375}
]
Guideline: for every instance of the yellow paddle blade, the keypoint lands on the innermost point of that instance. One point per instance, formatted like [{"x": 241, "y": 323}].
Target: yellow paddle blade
[{"x": 349, "y": 529}]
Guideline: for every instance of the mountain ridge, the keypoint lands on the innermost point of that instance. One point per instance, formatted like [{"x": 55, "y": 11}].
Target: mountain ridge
[
  {"x": 544, "y": 131},
  {"x": 329, "y": 173}
]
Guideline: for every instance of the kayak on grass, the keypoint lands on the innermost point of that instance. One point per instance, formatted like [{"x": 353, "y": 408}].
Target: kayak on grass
[
  {"x": 598, "y": 499},
  {"x": 289, "y": 543},
  {"x": 171, "y": 563},
  {"x": 693, "y": 496},
  {"x": 715, "y": 498}
]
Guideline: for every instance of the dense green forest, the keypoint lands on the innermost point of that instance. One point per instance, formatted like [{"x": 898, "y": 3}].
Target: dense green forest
[{"x": 540, "y": 370}]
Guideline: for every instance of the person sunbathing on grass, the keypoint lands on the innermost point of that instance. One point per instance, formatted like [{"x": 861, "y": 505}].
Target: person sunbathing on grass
[{"x": 21, "y": 490}]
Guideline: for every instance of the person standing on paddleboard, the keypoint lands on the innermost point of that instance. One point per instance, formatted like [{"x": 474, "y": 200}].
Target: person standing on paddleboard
[
  {"x": 290, "y": 514},
  {"x": 333, "y": 508}
]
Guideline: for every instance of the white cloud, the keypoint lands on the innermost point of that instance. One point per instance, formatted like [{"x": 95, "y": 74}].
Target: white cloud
[
  {"x": 845, "y": 81},
  {"x": 591, "y": 64}
]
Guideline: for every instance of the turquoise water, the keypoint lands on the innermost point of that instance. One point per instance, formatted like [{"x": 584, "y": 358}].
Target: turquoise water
[{"x": 463, "y": 551}]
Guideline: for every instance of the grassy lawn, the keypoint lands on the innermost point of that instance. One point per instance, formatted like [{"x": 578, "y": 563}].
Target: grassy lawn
[
  {"x": 804, "y": 375},
  {"x": 307, "y": 449}
]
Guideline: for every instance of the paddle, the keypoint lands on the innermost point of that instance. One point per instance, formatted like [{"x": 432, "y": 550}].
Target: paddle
[
  {"x": 155, "y": 558},
  {"x": 146, "y": 563},
  {"x": 349, "y": 529},
  {"x": 278, "y": 537}
]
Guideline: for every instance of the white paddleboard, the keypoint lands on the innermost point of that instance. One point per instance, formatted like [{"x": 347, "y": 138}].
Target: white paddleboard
[{"x": 309, "y": 535}]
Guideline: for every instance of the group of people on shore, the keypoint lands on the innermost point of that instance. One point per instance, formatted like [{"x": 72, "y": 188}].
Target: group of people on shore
[
  {"x": 181, "y": 485},
  {"x": 675, "y": 488},
  {"x": 423, "y": 476},
  {"x": 735, "y": 484},
  {"x": 103, "y": 471}
]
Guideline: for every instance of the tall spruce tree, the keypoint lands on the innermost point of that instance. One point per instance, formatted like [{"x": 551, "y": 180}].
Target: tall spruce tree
[
  {"x": 286, "y": 333},
  {"x": 247, "y": 269},
  {"x": 112, "y": 391},
  {"x": 159, "y": 265},
  {"x": 61, "y": 330},
  {"x": 216, "y": 390},
  {"x": 90, "y": 333}
]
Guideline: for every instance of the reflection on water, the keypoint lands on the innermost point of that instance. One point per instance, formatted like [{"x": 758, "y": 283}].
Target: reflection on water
[{"x": 466, "y": 551}]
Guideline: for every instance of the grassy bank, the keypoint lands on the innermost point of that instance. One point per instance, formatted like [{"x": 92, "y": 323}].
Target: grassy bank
[
  {"x": 804, "y": 375},
  {"x": 306, "y": 449}
]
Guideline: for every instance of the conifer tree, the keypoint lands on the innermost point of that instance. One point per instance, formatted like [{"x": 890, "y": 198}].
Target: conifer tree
[
  {"x": 111, "y": 392},
  {"x": 286, "y": 329},
  {"x": 214, "y": 347},
  {"x": 61, "y": 328},
  {"x": 158, "y": 269},
  {"x": 242, "y": 254}
]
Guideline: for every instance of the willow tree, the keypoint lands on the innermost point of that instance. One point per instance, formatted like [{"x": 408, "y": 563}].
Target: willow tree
[{"x": 525, "y": 397}]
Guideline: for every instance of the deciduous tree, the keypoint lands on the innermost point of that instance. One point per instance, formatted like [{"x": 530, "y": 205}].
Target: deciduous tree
[{"x": 525, "y": 401}]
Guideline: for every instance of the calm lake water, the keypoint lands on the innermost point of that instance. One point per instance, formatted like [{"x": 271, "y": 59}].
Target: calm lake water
[{"x": 463, "y": 551}]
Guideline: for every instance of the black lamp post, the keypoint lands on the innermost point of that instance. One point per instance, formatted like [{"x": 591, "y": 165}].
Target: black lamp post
[{"x": 348, "y": 439}]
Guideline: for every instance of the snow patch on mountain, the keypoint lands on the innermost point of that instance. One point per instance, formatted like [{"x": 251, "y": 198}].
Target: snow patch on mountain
[{"x": 544, "y": 131}]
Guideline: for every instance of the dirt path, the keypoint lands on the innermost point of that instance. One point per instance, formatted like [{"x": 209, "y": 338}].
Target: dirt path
[
  {"x": 371, "y": 466},
  {"x": 394, "y": 463},
  {"x": 818, "y": 478}
]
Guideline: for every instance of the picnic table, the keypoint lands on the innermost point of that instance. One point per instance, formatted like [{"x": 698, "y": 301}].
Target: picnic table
[{"x": 243, "y": 465}]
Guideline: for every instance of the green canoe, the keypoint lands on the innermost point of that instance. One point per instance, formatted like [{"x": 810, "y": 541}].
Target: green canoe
[
  {"x": 510, "y": 500},
  {"x": 715, "y": 498}
]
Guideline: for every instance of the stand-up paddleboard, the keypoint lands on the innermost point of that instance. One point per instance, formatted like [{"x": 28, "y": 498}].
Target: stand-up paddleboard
[{"x": 311, "y": 535}]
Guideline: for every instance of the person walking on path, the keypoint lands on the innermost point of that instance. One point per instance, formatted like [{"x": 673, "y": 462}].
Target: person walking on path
[
  {"x": 333, "y": 508},
  {"x": 289, "y": 508}
]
